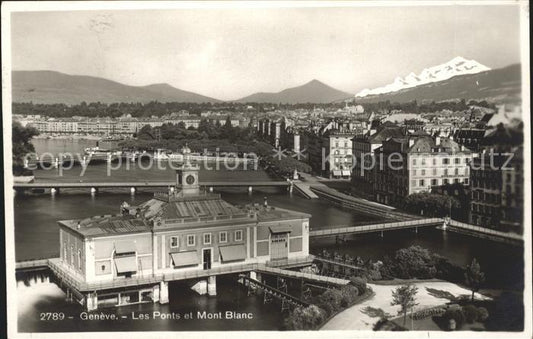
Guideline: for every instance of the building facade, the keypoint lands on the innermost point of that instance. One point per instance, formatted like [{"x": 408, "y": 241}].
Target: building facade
[
  {"x": 177, "y": 233},
  {"x": 415, "y": 164},
  {"x": 364, "y": 147},
  {"x": 497, "y": 195}
]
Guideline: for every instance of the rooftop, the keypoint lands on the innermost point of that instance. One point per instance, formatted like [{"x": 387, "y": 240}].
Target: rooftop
[{"x": 175, "y": 211}]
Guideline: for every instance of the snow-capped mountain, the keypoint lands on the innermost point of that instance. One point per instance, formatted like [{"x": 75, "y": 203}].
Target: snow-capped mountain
[{"x": 456, "y": 66}]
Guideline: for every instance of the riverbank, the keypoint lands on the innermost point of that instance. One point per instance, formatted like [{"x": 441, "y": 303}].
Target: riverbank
[
  {"x": 67, "y": 137},
  {"x": 363, "y": 316}
]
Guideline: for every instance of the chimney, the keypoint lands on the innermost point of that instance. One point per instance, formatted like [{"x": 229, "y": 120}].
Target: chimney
[
  {"x": 265, "y": 203},
  {"x": 79, "y": 225},
  {"x": 411, "y": 142},
  {"x": 437, "y": 141}
]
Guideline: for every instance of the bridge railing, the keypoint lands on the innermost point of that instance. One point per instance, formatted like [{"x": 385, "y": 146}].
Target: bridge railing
[
  {"x": 376, "y": 227},
  {"x": 308, "y": 276},
  {"x": 480, "y": 229},
  {"x": 71, "y": 279}
]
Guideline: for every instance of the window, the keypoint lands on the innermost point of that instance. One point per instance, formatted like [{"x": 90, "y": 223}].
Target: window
[
  {"x": 414, "y": 162},
  {"x": 65, "y": 256},
  {"x": 102, "y": 268},
  {"x": 445, "y": 181},
  {"x": 72, "y": 255},
  {"x": 423, "y": 172},
  {"x": 434, "y": 161},
  {"x": 445, "y": 171},
  {"x": 434, "y": 171},
  {"x": 457, "y": 160},
  {"x": 422, "y": 183},
  {"x": 445, "y": 161},
  {"x": 207, "y": 238},
  {"x": 423, "y": 161},
  {"x": 414, "y": 172},
  {"x": 223, "y": 236},
  {"x": 191, "y": 240},
  {"x": 434, "y": 182},
  {"x": 174, "y": 242},
  {"x": 79, "y": 259},
  {"x": 238, "y": 235}
]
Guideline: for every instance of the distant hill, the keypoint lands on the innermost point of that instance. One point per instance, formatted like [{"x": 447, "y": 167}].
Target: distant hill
[
  {"x": 49, "y": 87},
  {"x": 497, "y": 85},
  {"x": 313, "y": 92}
]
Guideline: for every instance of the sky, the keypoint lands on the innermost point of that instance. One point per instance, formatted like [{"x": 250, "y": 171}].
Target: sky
[{"x": 230, "y": 53}]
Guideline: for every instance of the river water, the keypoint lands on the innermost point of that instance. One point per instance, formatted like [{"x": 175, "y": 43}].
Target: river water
[{"x": 36, "y": 236}]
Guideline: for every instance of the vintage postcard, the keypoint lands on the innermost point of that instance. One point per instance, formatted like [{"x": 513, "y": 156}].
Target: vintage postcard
[{"x": 300, "y": 169}]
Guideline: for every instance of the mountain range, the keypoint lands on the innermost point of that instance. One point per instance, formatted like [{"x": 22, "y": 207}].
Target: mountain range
[
  {"x": 50, "y": 87},
  {"x": 498, "y": 85},
  {"x": 456, "y": 66},
  {"x": 457, "y": 79},
  {"x": 313, "y": 92}
]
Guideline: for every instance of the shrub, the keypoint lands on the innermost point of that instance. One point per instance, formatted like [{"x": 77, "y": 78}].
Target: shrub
[
  {"x": 470, "y": 312},
  {"x": 482, "y": 314},
  {"x": 414, "y": 262},
  {"x": 349, "y": 295},
  {"x": 428, "y": 312},
  {"x": 359, "y": 283},
  {"x": 455, "y": 314},
  {"x": 305, "y": 318},
  {"x": 330, "y": 301},
  {"x": 373, "y": 274}
]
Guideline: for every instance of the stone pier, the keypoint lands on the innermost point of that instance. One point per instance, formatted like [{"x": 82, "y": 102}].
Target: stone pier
[
  {"x": 212, "y": 285},
  {"x": 163, "y": 292}
]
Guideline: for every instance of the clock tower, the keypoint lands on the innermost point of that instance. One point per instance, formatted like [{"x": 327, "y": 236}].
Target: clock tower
[{"x": 187, "y": 175}]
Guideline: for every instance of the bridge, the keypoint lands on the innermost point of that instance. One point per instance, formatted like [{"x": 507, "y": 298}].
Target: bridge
[
  {"x": 75, "y": 282},
  {"x": 482, "y": 232},
  {"x": 304, "y": 276},
  {"x": 381, "y": 227},
  {"x": 143, "y": 184},
  {"x": 333, "y": 267},
  {"x": 361, "y": 205},
  {"x": 271, "y": 291}
]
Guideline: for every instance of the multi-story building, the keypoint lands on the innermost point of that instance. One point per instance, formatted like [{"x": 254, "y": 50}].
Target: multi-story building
[
  {"x": 174, "y": 236},
  {"x": 364, "y": 146},
  {"x": 497, "y": 176},
  {"x": 330, "y": 150},
  {"x": 470, "y": 137},
  {"x": 416, "y": 163}
]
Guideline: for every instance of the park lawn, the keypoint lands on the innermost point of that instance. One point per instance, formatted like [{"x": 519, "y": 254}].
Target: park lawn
[
  {"x": 428, "y": 324},
  {"x": 363, "y": 316}
]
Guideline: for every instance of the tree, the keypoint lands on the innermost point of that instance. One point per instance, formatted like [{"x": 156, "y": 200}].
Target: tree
[
  {"x": 307, "y": 318},
  {"x": 431, "y": 204},
  {"x": 414, "y": 262},
  {"x": 405, "y": 297},
  {"x": 146, "y": 133},
  {"x": 21, "y": 137},
  {"x": 474, "y": 277}
]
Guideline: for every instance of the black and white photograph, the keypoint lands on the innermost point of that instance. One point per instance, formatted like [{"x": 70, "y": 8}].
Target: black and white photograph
[{"x": 303, "y": 169}]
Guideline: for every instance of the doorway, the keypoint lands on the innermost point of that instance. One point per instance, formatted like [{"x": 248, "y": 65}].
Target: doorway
[
  {"x": 207, "y": 259},
  {"x": 278, "y": 246}
]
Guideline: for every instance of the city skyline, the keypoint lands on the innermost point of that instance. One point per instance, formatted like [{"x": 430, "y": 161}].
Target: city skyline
[{"x": 231, "y": 53}]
